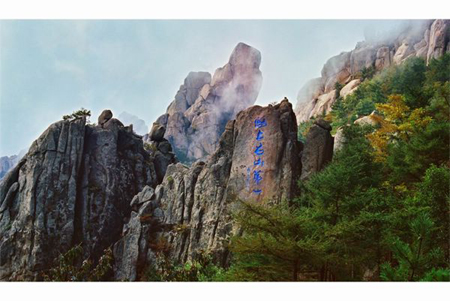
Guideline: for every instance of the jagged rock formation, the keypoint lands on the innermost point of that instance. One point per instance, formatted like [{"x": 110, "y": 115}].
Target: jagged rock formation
[
  {"x": 161, "y": 150},
  {"x": 202, "y": 106},
  {"x": 318, "y": 150},
  {"x": 139, "y": 126},
  {"x": 425, "y": 39},
  {"x": 73, "y": 186},
  {"x": 196, "y": 201}
]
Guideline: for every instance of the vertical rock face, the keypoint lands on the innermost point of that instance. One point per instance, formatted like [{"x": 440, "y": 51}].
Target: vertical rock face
[
  {"x": 425, "y": 39},
  {"x": 311, "y": 90},
  {"x": 38, "y": 201},
  {"x": 161, "y": 150},
  {"x": 73, "y": 186},
  {"x": 439, "y": 39},
  {"x": 196, "y": 202},
  {"x": 318, "y": 149},
  {"x": 265, "y": 140},
  {"x": 198, "y": 115}
]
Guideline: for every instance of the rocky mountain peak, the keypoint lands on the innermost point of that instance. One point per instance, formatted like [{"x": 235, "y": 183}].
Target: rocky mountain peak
[
  {"x": 74, "y": 186},
  {"x": 202, "y": 106},
  {"x": 258, "y": 159}
]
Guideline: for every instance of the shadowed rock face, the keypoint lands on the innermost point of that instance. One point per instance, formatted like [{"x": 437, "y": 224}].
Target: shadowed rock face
[
  {"x": 431, "y": 39},
  {"x": 196, "y": 201},
  {"x": 160, "y": 149},
  {"x": 197, "y": 117},
  {"x": 73, "y": 186},
  {"x": 318, "y": 150}
]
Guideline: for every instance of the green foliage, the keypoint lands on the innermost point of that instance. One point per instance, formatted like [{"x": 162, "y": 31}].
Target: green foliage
[
  {"x": 303, "y": 129},
  {"x": 367, "y": 73},
  {"x": 201, "y": 268},
  {"x": 338, "y": 87},
  {"x": 82, "y": 113},
  {"x": 170, "y": 179},
  {"x": 71, "y": 266},
  {"x": 349, "y": 219},
  {"x": 365, "y": 107},
  {"x": 438, "y": 70},
  {"x": 381, "y": 209},
  {"x": 280, "y": 243},
  {"x": 415, "y": 259},
  {"x": 415, "y": 81},
  {"x": 150, "y": 147}
]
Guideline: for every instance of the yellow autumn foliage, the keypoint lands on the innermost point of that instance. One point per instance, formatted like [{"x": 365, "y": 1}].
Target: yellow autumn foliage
[{"x": 397, "y": 122}]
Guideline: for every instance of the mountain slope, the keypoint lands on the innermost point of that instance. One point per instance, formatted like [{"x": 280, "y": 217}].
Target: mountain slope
[{"x": 428, "y": 40}]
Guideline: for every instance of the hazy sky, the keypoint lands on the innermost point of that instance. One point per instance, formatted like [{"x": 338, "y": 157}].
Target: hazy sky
[{"x": 51, "y": 68}]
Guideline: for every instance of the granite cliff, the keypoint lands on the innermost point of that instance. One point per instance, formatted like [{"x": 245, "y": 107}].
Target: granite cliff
[
  {"x": 258, "y": 159},
  {"x": 74, "y": 186},
  {"x": 428, "y": 40}
]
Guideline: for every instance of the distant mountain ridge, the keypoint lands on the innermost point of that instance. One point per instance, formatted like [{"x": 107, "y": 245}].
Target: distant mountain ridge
[
  {"x": 427, "y": 39},
  {"x": 8, "y": 162}
]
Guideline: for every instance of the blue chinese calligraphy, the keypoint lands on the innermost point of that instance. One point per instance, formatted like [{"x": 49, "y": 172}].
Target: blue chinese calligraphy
[
  {"x": 257, "y": 191},
  {"x": 259, "y": 123},
  {"x": 258, "y": 163},
  {"x": 259, "y": 136},
  {"x": 259, "y": 151},
  {"x": 257, "y": 176}
]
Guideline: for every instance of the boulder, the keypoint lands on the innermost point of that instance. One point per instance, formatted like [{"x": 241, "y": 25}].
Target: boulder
[
  {"x": 157, "y": 132},
  {"x": 349, "y": 88},
  {"x": 104, "y": 117},
  {"x": 373, "y": 119},
  {"x": 405, "y": 51}
]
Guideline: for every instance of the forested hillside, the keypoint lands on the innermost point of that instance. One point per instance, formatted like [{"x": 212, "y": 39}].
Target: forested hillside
[{"x": 380, "y": 210}]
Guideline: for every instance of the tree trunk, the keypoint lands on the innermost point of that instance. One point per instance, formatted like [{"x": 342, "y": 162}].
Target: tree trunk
[{"x": 295, "y": 271}]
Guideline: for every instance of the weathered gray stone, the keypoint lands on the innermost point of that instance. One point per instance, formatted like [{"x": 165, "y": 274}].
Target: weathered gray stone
[
  {"x": 195, "y": 202},
  {"x": 74, "y": 186}
]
